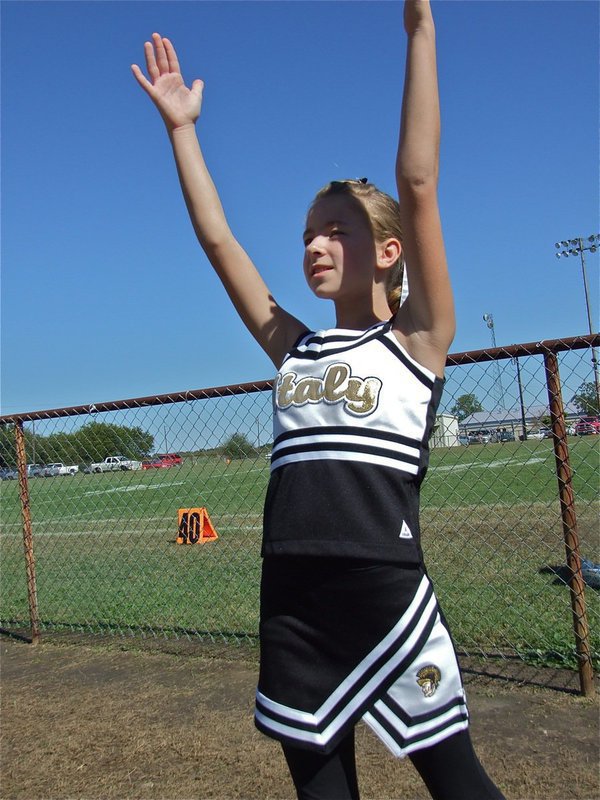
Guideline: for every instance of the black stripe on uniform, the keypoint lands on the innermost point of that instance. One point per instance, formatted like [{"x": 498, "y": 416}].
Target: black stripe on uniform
[
  {"x": 354, "y": 336},
  {"x": 399, "y": 712},
  {"x": 404, "y": 741},
  {"x": 347, "y": 430},
  {"x": 394, "y": 348},
  {"x": 351, "y": 343},
  {"x": 345, "y": 447}
]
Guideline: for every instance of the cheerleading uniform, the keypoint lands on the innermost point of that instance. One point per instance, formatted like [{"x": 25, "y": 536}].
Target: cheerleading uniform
[{"x": 350, "y": 626}]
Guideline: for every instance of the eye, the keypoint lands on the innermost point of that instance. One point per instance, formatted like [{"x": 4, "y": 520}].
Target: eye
[
  {"x": 335, "y": 232},
  {"x": 307, "y": 240}
]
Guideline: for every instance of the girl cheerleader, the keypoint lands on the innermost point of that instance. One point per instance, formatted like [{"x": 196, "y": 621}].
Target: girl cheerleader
[{"x": 350, "y": 626}]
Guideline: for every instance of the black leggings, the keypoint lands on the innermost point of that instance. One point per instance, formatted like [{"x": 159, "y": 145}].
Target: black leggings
[{"x": 450, "y": 769}]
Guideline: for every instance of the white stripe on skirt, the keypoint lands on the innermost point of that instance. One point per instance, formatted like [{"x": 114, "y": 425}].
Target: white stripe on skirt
[{"x": 402, "y": 715}]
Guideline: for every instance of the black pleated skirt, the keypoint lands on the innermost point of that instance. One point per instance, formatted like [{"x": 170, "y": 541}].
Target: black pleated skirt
[{"x": 344, "y": 639}]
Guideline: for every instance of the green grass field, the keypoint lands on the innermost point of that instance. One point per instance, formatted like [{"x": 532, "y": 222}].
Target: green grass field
[{"x": 106, "y": 556}]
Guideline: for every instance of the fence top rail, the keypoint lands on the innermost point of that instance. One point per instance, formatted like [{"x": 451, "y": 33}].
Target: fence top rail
[
  {"x": 517, "y": 350},
  {"x": 140, "y": 402},
  {"x": 453, "y": 360}
]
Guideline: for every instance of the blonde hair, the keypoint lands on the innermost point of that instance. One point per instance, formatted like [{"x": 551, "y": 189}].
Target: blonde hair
[{"x": 383, "y": 213}]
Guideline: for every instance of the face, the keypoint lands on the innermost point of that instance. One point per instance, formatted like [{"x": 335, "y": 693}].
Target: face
[{"x": 340, "y": 254}]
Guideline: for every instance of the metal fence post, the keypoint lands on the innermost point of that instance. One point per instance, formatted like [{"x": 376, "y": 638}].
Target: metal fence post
[
  {"x": 569, "y": 523},
  {"x": 27, "y": 533}
]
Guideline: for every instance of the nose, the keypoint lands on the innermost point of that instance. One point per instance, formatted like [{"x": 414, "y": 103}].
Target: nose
[{"x": 315, "y": 246}]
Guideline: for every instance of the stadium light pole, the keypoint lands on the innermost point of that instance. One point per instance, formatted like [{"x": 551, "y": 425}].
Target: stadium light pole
[
  {"x": 523, "y": 423},
  {"x": 576, "y": 247},
  {"x": 489, "y": 321}
]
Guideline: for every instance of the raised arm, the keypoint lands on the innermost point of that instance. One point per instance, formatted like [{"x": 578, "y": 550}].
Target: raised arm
[
  {"x": 425, "y": 322},
  {"x": 273, "y": 328}
]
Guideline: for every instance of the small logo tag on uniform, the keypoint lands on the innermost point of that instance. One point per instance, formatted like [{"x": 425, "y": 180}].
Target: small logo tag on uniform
[
  {"x": 405, "y": 531},
  {"x": 429, "y": 678}
]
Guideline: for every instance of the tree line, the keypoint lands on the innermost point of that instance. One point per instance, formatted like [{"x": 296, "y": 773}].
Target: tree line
[{"x": 92, "y": 442}]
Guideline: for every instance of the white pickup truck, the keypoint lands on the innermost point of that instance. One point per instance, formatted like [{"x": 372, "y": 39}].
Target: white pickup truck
[
  {"x": 58, "y": 468},
  {"x": 112, "y": 463}
]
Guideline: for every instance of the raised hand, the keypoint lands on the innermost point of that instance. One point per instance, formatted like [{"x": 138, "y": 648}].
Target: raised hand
[
  {"x": 416, "y": 12},
  {"x": 178, "y": 105}
]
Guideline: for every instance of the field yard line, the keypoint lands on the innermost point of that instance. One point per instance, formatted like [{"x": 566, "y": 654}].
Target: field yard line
[
  {"x": 46, "y": 523},
  {"x": 236, "y": 474},
  {"x": 120, "y": 532},
  {"x": 44, "y": 500},
  {"x": 107, "y": 520},
  {"x": 480, "y": 464},
  {"x": 135, "y": 487},
  {"x": 68, "y": 533},
  {"x": 519, "y": 507}
]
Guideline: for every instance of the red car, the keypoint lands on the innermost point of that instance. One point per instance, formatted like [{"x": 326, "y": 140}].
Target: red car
[
  {"x": 173, "y": 459},
  {"x": 162, "y": 461},
  {"x": 587, "y": 425},
  {"x": 154, "y": 463}
]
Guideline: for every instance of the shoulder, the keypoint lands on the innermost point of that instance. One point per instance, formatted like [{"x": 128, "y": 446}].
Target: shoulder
[
  {"x": 428, "y": 348},
  {"x": 285, "y": 340}
]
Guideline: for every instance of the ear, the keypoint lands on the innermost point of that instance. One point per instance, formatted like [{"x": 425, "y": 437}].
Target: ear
[{"x": 388, "y": 252}]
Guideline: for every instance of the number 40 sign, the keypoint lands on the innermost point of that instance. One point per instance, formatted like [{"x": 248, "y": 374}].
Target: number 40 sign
[{"x": 195, "y": 526}]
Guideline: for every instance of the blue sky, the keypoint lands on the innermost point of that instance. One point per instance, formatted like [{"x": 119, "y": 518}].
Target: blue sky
[{"x": 105, "y": 292}]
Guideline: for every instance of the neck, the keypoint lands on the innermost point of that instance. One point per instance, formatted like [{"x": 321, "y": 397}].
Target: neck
[{"x": 359, "y": 319}]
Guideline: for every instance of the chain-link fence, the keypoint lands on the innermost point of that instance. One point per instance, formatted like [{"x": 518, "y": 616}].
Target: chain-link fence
[{"x": 509, "y": 510}]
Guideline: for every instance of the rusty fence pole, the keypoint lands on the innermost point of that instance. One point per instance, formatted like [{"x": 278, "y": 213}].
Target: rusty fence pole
[
  {"x": 569, "y": 524},
  {"x": 27, "y": 533}
]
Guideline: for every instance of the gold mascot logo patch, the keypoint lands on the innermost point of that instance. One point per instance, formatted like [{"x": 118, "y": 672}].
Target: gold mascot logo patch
[
  {"x": 429, "y": 679},
  {"x": 338, "y": 385}
]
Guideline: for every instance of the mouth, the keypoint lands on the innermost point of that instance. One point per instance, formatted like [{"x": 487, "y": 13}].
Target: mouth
[{"x": 318, "y": 269}]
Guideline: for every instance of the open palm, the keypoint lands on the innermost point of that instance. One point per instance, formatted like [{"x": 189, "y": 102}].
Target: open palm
[{"x": 177, "y": 104}]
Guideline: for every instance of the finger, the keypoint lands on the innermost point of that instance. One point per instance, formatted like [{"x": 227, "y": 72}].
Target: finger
[
  {"x": 171, "y": 56},
  {"x": 141, "y": 78},
  {"x": 151, "y": 61},
  {"x": 198, "y": 87},
  {"x": 161, "y": 56}
]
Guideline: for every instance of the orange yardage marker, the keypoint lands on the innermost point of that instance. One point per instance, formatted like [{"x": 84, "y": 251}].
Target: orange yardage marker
[{"x": 195, "y": 526}]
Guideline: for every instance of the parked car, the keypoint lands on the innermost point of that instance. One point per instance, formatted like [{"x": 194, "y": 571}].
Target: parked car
[
  {"x": 9, "y": 474},
  {"x": 590, "y": 573},
  {"x": 479, "y": 437},
  {"x": 540, "y": 433},
  {"x": 587, "y": 425},
  {"x": 35, "y": 470},
  {"x": 173, "y": 459},
  {"x": 112, "y": 463},
  {"x": 156, "y": 462},
  {"x": 162, "y": 461},
  {"x": 58, "y": 468},
  {"x": 463, "y": 438},
  {"x": 51, "y": 470},
  {"x": 507, "y": 436}
]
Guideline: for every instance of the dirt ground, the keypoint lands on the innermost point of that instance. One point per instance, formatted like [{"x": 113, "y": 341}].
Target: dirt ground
[{"x": 81, "y": 721}]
